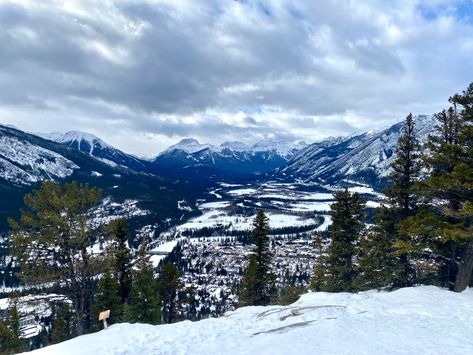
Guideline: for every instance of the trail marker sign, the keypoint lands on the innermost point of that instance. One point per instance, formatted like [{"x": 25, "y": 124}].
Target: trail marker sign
[{"x": 103, "y": 316}]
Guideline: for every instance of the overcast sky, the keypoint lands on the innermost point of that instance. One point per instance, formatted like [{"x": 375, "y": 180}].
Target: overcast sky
[{"x": 144, "y": 74}]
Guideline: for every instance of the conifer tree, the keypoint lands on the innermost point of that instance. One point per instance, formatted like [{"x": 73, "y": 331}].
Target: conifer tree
[
  {"x": 10, "y": 341},
  {"x": 289, "y": 293},
  {"x": 376, "y": 254},
  {"x": 168, "y": 286},
  {"x": 50, "y": 243},
  {"x": 107, "y": 298},
  {"x": 384, "y": 261},
  {"x": 347, "y": 225},
  {"x": 317, "y": 283},
  {"x": 258, "y": 281},
  {"x": 446, "y": 224},
  {"x": 144, "y": 304},
  {"x": 62, "y": 324},
  {"x": 121, "y": 255}
]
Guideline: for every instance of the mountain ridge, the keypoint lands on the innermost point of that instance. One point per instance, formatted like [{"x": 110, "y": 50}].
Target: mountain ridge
[{"x": 364, "y": 157}]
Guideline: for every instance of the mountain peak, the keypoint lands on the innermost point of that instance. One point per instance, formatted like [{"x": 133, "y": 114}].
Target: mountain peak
[
  {"x": 76, "y": 137},
  {"x": 189, "y": 145}
]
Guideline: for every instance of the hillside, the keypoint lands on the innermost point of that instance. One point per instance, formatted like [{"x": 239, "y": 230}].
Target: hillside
[
  {"x": 95, "y": 147},
  {"x": 365, "y": 158},
  {"x": 411, "y": 320},
  {"x": 27, "y": 159}
]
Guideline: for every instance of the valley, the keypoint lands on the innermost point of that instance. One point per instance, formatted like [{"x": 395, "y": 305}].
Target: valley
[
  {"x": 211, "y": 250},
  {"x": 194, "y": 204}
]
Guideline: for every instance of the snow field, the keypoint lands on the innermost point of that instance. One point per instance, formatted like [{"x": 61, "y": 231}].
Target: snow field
[{"x": 420, "y": 320}]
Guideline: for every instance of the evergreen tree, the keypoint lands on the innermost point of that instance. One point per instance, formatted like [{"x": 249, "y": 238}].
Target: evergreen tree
[
  {"x": 347, "y": 225},
  {"x": 168, "y": 286},
  {"x": 107, "y": 298},
  {"x": 144, "y": 304},
  {"x": 121, "y": 255},
  {"x": 446, "y": 224},
  {"x": 383, "y": 260},
  {"x": 258, "y": 280},
  {"x": 10, "y": 341},
  {"x": 377, "y": 259},
  {"x": 289, "y": 293},
  {"x": 50, "y": 243},
  {"x": 317, "y": 283},
  {"x": 14, "y": 315},
  {"x": 405, "y": 171},
  {"x": 61, "y": 330}
]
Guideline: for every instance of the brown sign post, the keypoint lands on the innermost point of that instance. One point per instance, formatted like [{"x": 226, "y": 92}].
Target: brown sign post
[{"x": 103, "y": 316}]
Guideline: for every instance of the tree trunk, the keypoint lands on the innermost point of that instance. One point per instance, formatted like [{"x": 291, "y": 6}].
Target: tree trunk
[{"x": 465, "y": 268}]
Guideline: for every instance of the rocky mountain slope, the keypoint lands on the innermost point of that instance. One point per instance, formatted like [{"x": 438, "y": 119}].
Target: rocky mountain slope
[
  {"x": 94, "y": 146},
  {"x": 365, "y": 157},
  {"x": 27, "y": 159}
]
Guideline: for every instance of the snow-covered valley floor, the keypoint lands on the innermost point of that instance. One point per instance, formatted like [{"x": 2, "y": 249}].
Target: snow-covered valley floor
[{"x": 420, "y": 320}]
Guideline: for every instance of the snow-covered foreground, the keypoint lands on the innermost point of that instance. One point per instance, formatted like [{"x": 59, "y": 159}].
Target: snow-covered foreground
[{"x": 422, "y": 320}]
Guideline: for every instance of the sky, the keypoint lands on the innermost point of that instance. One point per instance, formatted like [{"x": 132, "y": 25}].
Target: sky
[{"x": 143, "y": 74}]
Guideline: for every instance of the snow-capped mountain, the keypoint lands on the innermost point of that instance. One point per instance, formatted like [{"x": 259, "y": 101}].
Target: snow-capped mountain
[
  {"x": 27, "y": 159},
  {"x": 94, "y": 146},
  {"x": 24, "y": 163},
  {"x": 364, "y": 157},
  {"x": 190, "y": 158}
]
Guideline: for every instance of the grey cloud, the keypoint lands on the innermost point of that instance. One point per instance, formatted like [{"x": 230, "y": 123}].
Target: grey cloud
[{"x": 147, "y": 66}]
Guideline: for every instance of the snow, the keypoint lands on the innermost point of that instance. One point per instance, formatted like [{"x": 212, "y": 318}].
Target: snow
[
  {"x": 184, "y": 206},
  {"x": 25, "y": 163},
  {"x": 364, "y": 190},
  {"x": 212, "y": 205},
  {"x": 284, "y": 148},
  {"x": 215, "y": 218},
  {"x": 241, "y": 192},
  {"x": 420, "y": 320},
  {"x": 75, "y": 136},
  {"x": 327, "y": 222},
  {"x": 161, "y": 251},
  {"x": 189, "y": 145},
  {"x": 311, "y": 206}
]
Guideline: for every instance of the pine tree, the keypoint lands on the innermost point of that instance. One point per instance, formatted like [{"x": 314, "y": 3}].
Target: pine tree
[
  {"x": 384, "y": 259},
  {"x": 168, "y": 286},
  {"x": 377, "y": 259},
  {"x": 347, "y": 225},
  {"x": 258, "y": 281},
  {"x": 289, "y": 293},
  {"x": 14, "y": 315},
  {"x": 144, "y": 304},
  {"x": 121, "y": 255},
  {"x": 405, "y": 171},
  {"x": 62, "y": 324},
  {"x": 10, "y": 341},
  {"x": 317, "y": 282},
  {"x": 446, "y": 224},
  {"x": 50, "y": 243},
  {"x": 108, "y": 298}
]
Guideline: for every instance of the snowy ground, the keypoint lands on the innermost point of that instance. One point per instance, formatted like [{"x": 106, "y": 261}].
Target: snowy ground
[{"x": 422, "y": 320}]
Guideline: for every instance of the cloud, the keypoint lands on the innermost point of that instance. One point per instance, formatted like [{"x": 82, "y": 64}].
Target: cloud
[{"x": 159, "y": 70}]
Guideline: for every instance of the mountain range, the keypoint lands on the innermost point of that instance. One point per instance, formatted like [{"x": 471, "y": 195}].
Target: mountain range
[
  {"x": 27, "y": 159},
  {"x": 184, "y": 170},
  {"x": 228, "y": 160},
  {"x": 364, "y": 158}
]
